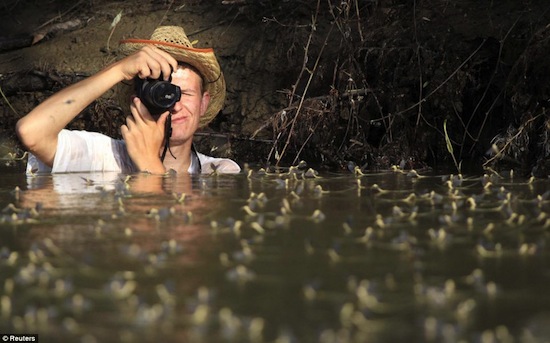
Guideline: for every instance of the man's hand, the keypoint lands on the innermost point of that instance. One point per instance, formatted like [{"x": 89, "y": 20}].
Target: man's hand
[
  {"x": 149, "y": 62},
  {"x": 144, "y": 137},
  {"x": 39, "y": 129},
  {"x": 143, "y": 134}
]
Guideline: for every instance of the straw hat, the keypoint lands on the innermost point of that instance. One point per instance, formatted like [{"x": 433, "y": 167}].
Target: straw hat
[{"x": 174, "y": 41}]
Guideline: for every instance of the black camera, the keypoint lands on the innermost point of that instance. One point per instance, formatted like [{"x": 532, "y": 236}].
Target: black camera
[{"x": 157, "y": 95}]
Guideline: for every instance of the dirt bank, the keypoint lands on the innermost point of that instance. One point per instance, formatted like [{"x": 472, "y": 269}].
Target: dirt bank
[{"x": 337, "y": 83}]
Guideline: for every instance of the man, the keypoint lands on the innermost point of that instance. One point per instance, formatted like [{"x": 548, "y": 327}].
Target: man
[{"x": 168, "y": 53}]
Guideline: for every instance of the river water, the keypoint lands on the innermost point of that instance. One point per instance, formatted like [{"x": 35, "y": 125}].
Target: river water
[{"x": 282, "y": 257}]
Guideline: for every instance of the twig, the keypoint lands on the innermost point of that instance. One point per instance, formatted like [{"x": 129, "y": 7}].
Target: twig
[
  {"x": 13, "y": 5},
  {"x": 232, "y": 137},
  {"x": 234, "y": 2},
  {"x": 359, "y": 21},
  {"x": 429, "y": 95},
  {"x": 295, "y": 86},
  {"x": 165, "y": 12},
  {"x": 311, "y": 74},
  {"x": 273, "y": 19},
  {"x": 59, "y": 16},
  {"x": 305, "y": 142},
  {"x": 306, "y": 51},
  {"x": 55, "y": 28},
  {"x": 8, "y": 102},
  {"x": 459, "y": 118},
  {"x": 520, "y": 131},
  {"x": 420, "y": 80},
  {"x": 353, "y": 92},
  {"x": 485, "y": 94},
  {"x": 493, "y": 104},
  {"x": 207, "y": 28}
]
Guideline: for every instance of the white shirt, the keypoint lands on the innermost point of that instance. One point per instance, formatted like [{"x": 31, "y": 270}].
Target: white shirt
[{"x": 84, "y": 151}]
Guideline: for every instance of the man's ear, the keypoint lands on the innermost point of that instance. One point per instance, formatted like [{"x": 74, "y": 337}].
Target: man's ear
[{"x": 204, "y": 102}]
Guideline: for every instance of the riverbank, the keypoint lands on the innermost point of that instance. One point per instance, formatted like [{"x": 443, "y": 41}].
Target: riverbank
[{"x": 338, "y": 84}]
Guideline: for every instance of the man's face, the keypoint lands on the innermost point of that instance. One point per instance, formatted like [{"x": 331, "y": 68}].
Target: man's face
[{"x": 192, "y": 105}]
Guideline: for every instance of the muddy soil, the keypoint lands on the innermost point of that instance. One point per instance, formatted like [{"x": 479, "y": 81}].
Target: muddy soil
[{"x": 339, "y": 84}]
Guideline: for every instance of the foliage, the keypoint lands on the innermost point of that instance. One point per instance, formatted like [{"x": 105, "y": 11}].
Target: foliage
[
  {"x": 368, "y": 83},
  {"x": 380, "y": 83}
]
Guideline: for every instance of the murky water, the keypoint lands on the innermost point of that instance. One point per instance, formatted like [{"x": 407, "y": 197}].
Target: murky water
[{"x": 294, "y": 257}]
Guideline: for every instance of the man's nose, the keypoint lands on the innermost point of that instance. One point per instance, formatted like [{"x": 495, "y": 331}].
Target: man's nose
[{"x": 177, "y": 107}]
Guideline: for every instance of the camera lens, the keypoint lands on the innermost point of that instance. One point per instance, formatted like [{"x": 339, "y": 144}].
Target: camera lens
[
  {"x": 163, "y": 94},
  {"x": 158, "y": 96}
]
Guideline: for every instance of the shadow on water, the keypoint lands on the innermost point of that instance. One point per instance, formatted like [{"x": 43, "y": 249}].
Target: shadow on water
[{"x": 274, "y": 257}]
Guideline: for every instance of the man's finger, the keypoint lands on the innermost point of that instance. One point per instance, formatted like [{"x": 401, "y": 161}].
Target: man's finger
[
  {"x": 139, "y": 111},
  {"x": 170, "y": 63},
  {"x": 162, "y": 62},
  {"x": 130, "y": 122},
  {"x": 162, "y": 119}
]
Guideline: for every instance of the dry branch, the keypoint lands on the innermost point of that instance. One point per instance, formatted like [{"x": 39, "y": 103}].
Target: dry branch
[
  {"x": 54, "y": 29},
  {"x": 15, "y": 42},
  {"x": 25, "y": 40},
  {"x": 36, "y": 81}
]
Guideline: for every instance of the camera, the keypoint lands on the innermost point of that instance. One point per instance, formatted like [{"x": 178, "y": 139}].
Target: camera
[{"x": 157, "y": 95}]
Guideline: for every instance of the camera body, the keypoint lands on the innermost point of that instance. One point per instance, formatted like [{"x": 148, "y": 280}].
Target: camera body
[{"x": 157, "y": 95}]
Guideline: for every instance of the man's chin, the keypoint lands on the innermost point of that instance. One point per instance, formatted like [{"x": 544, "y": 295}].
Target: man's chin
[{"x": 179, "y": 139}]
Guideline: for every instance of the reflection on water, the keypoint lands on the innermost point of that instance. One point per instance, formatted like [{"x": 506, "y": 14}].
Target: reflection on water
[{"x": 262, "y": 257}]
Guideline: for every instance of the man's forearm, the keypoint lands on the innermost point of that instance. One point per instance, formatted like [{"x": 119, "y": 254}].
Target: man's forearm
[{"x": 38, "y": 130}]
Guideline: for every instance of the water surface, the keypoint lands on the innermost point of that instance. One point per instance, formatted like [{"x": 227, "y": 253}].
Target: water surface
[{"x": 275, "y": 257}]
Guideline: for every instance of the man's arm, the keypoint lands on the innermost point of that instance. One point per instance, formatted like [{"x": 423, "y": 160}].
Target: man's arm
[{"x": 39, "y": 129}]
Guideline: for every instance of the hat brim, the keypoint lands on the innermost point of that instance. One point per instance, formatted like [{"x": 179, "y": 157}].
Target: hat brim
[{"x": 204, "y": 60}]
